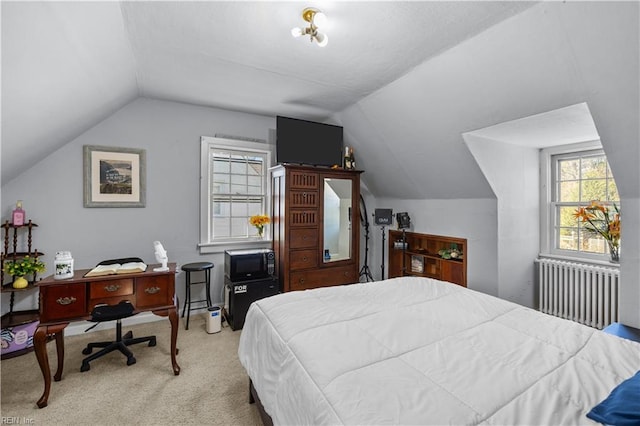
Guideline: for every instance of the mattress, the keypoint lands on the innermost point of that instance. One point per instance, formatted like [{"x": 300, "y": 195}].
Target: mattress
[{"x": 415, "y": 350}]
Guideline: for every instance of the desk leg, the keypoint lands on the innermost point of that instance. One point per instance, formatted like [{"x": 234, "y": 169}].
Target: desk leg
[
  {"x": 60, "y": 351},
  {"x": 173, "y": 319},
  {"x": 40, "y": 346},
  {"x": 172, "y": 313}
]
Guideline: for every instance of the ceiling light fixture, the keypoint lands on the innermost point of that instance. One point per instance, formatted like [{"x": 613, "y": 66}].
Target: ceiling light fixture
[{"x": 316, "y": 19}]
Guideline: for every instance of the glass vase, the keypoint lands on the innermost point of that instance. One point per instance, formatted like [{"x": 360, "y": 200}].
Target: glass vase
[{"x": 614, "y": 252}]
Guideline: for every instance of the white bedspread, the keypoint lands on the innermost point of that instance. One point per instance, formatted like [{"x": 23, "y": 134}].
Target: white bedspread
[{"x": 420, "y": 351}]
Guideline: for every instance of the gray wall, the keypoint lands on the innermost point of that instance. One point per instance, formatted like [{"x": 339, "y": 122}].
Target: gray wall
[
  {"x": 170, "y": 133},
  {"x": 473, "y": 219}
]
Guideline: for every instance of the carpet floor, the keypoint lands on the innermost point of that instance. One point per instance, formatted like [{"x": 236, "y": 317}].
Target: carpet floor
[{"x": 212, "y": 388}]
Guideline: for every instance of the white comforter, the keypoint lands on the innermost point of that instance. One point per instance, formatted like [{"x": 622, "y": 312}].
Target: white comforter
[{"x": 420, "y": 351}]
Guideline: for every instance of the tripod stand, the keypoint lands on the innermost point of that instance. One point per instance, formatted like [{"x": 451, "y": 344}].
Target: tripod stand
[
  {"x": 383, "y": 244},
  {"x": 364, "y": 271},
  {"x": 364, "y": 220}
]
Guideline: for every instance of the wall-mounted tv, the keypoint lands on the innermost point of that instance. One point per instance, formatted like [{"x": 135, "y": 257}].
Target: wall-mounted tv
[{"x": 307, "y": 142}]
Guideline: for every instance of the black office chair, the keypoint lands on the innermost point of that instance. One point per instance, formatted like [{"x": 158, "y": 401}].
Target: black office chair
[{"x": 102, "y": 313}]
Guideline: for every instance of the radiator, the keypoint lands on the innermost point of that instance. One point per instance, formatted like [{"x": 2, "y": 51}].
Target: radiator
[{"x": 580, "y": 292}]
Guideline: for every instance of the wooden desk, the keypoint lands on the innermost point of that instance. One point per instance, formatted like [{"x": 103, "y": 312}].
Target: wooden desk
[{"x": 64, "y": 301}]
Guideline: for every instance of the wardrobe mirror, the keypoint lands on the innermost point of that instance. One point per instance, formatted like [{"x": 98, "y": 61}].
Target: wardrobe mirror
[{"x": 337, "y": 219}]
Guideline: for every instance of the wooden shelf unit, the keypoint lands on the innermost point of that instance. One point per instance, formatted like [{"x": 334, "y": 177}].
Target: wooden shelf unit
[
  {"x": 421, "y": 257},
  {"x": 12, "y": 240}
]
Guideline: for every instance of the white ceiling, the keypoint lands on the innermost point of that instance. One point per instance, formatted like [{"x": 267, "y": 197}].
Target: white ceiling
[{"x": 68, "y": 65}]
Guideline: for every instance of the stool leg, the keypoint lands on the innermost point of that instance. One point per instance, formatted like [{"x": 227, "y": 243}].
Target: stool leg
[
  {"x": 186, "y": 293},
  {"x": 208, "y": 287},
  {"x": 188, "y": 300}
]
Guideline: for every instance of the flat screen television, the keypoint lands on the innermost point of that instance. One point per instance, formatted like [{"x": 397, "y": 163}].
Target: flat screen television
[{"x": 307, "y": 142}]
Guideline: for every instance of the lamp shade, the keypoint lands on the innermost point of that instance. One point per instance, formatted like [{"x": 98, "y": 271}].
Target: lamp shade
[
  {"x": 296, "y": 31},
  {"x": 319, "y": 19},
  {"x": 322, "y": 39}
]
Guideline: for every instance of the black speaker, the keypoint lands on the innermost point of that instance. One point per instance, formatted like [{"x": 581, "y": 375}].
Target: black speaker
[
  {"x": 403, "y": 219},
  {"x": 383, "y": 216}
]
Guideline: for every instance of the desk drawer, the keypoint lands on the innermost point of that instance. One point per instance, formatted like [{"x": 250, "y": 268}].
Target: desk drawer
[
  {"x": 60, "y": 302},
  {"x": 111, "y": 288},
  {"x": 154, "y": 291}
]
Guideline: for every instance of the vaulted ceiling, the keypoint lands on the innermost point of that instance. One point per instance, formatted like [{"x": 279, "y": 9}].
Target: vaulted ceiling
[
  {"x": 406, "y": 79},
  {"x": 68, "y": 65}
]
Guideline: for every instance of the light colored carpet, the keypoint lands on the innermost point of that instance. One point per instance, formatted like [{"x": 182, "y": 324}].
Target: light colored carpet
[{"x": 212, "y": 388}]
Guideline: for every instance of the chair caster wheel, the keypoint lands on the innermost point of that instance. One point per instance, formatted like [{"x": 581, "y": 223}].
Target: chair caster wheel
[
  {"x": 87, "y": 351},
  {"x": 84, "y": 367},
  {"x": 152, "y": 342},
  {"x": 131, "y": 360}
]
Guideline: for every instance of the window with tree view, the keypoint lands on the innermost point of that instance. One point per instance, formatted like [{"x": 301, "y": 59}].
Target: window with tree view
[
  {"x": 578, "y": 179},
  {"x": 238, "y": 192}
]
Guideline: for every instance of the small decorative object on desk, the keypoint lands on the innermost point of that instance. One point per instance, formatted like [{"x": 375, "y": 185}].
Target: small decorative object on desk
[
  {"x": 598, "y": 220},
  {"x": 259, "y": 221},
  {"x": 161, "y": 257},
  {"x": 18, "y": 215},
  {"x": 21, "y": 267},
  {"x": 63, "y": 264}
]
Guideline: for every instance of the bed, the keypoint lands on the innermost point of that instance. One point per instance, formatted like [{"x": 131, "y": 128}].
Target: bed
[{"x": 415, "y": 350}]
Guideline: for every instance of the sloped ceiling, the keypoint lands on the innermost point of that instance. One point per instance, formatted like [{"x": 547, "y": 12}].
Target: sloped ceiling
[
  {"x": 405, "y": 79},
  {"x": 68, "y": 65}
]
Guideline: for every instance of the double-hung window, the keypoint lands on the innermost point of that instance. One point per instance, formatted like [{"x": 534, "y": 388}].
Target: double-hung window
[
  {"x": 576, "y": 178},
  {"x": 233, "y": 188}
]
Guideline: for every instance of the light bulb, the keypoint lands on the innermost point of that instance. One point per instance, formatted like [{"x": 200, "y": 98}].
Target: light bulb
[
  {"x": 319, "y": 19},
  {"x": 296, "y": 32},
  {"x": 322, "y": 39}
]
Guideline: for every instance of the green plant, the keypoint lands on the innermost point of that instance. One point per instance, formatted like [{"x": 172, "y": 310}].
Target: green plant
[
  {"x": 26, "y": 265},
  {"x": 450, "y": 253}
]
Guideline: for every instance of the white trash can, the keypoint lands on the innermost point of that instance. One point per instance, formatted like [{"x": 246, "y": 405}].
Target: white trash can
[{"x": 214, "y": 319}]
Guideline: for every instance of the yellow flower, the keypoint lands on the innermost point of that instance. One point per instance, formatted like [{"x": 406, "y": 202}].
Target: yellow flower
[{"x": 259, "y": 220}]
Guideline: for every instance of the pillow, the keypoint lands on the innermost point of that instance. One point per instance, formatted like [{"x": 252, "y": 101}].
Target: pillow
[{"x": 622, "y": 406}]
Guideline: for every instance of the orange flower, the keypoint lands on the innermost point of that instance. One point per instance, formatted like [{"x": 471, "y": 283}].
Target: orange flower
[{"x": 597, "y": 220}]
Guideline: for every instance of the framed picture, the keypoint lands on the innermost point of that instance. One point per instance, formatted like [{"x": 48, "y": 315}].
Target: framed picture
[
  {"x": 417, "y": 264},
  {"x": 114, "y": 177}
]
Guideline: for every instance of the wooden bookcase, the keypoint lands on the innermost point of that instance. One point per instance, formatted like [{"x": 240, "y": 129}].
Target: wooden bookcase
[{"x": 421, "y": 257}]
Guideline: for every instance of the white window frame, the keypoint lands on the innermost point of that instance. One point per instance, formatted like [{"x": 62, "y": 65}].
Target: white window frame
[
  {"x": 208, "y": 143},
  {"x": 547, "y": 205}
]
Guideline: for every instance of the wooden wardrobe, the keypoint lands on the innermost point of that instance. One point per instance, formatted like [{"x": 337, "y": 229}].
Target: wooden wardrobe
[{"x": 316, "y": 226}]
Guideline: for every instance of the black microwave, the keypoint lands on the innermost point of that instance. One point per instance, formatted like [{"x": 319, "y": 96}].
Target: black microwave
[{"x": 240, "y": 265}]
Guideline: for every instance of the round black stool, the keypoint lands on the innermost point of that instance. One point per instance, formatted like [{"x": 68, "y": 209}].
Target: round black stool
[{"x": 188, "y": 269}]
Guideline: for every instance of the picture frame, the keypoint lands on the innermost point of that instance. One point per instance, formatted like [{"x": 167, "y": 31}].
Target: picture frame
[
  {"x": 417, "y": 264},
  {"x": 114, "y": 177}
]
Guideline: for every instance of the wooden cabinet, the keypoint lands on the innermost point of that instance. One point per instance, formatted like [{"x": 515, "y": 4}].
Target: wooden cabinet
[
  {"x": 303, "y": 234},
  {"x": 420, "y": 256}
]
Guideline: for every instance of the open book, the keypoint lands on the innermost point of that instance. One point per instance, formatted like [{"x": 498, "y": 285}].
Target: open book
[{"x": 116, "y": 268}]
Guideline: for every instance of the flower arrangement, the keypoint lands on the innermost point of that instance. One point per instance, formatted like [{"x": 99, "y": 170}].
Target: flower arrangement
[
  {"x": 598, "y": 220},
  {"x": 259, "y": 221},
  {"x": 26, "y": 265}
]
